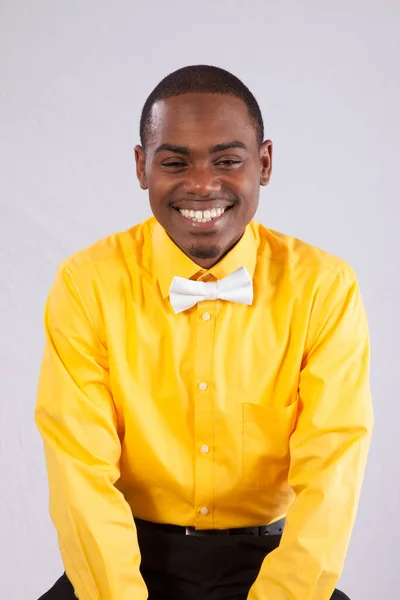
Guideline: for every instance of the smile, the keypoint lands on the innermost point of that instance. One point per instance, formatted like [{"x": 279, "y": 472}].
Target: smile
[{"x": 202, "y": 216}]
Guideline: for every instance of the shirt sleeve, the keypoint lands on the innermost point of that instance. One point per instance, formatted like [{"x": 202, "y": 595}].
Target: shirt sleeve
[
  {"x": 76, "y": 417},
  {"x": 328, "y": 452}
]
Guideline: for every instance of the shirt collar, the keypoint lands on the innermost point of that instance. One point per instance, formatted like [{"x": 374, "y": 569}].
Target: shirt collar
[{"x": 170, "y": 261}]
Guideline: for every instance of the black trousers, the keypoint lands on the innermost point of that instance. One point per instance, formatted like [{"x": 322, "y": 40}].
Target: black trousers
[{"x": 179, "y": 567}]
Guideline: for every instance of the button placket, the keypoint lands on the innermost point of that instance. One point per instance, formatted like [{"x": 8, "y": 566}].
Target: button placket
[{"x": 204, "y": 410}]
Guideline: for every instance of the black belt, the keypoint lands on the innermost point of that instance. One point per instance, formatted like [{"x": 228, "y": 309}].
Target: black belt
[{"x": 272, "y": 529}]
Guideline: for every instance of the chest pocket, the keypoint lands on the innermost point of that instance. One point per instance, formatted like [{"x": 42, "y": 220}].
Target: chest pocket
[{"x": 265, "y": 444}]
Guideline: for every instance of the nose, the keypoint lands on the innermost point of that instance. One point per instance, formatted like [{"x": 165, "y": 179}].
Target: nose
[{"x": 201, "y": 182}]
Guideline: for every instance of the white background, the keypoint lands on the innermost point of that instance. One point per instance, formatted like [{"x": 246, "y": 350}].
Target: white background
[{"x": 73, "y": 78}]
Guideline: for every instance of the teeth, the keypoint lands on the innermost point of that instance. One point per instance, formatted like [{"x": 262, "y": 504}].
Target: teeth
[{"x": 202, "y": 216}]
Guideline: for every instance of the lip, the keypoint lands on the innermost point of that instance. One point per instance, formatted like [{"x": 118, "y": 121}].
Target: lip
[{"x": 197, "y": 205}]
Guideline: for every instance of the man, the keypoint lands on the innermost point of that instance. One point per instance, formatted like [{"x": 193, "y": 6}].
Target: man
[{"x": 203, "y": 378}]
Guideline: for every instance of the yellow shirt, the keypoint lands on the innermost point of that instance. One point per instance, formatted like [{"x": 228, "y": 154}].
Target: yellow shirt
[{"x": 222, "y": 416}]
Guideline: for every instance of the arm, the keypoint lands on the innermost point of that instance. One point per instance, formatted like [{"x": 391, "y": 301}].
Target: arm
[
  {"x": 328, "y": 452},
  {"x": 76, "y": 417}
]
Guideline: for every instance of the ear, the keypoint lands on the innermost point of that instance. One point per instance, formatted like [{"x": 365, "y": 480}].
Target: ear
[
  {"x": 266, "y": 162},
  {"x": 140, "y": 159}
]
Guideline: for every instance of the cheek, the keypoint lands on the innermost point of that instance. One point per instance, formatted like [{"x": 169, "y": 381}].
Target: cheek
[
  {"x": 250, "y": 191},
  {"x": 157, "y": 191},
  {"x": 248, "y": 182}
]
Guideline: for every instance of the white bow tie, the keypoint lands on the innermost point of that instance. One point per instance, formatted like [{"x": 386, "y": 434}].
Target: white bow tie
[{"x": 236, "y": 287}]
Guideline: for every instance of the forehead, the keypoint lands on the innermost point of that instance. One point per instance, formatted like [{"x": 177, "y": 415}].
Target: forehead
[{"x": 200, "y": 120}]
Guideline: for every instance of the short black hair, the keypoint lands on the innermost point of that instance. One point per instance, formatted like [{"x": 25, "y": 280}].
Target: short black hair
[{"x": 201, "y": 79}]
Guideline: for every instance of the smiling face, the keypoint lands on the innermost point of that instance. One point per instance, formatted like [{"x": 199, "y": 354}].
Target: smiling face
[{"x": 203, "y": 169}]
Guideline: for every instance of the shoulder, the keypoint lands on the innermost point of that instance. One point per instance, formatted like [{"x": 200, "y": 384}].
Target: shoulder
[
  {"x": 298, "y": 260},
  {"x": 111, "y": 256},
  {"x": 279, "y": 247},
  {"x": 98, "y": 277},
  {"x": 102, "y": 273},
  {"x": 117, "y": 246}
]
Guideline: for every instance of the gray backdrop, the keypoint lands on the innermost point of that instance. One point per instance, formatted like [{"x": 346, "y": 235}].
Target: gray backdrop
[{"x": 73, "y": 77}]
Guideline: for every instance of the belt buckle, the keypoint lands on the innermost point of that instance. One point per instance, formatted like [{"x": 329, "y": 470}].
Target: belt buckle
[{"x": 197, "y": 532}]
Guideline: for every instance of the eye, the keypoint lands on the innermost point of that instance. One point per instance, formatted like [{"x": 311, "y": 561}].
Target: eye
[
  {"x": 176, "y": 164},
  {"x": 229, "y": 162}
]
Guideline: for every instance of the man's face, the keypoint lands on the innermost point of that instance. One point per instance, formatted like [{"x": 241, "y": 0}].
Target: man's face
[{"x": 203, "y": 169}]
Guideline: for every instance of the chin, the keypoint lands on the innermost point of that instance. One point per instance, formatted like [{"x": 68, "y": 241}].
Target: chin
[{"x": 205, "y": 251}]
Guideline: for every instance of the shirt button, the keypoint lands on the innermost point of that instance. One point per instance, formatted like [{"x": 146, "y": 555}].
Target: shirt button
[
  {"x": 203, "y": 386},
  {"x": 206, "y": 316},
  {"x": 204, "y": 510},
  {"x": 204, "y": 449}
]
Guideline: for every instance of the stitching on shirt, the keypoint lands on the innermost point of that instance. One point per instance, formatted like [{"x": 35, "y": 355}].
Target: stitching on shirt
[
  {"x": 301, "y": 264},
  {"x": 75, "y": 569},
  {"x": 68, "y": 272},
  {"x": 326, "y": 318}
]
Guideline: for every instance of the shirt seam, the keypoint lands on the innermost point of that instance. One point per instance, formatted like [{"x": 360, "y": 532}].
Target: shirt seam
[
  {"x": 68, "y": 271},
  {"x": 318, "y": 335},
  {"x": 301, "y": 264},
  {"x": 71, "y": 261}
]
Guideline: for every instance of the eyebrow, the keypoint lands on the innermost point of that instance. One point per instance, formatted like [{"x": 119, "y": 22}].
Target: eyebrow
[
  {"x": 212, "y": 150},
  {"x": 227, "y": 146},
  {"x": 173, "y": 149}
]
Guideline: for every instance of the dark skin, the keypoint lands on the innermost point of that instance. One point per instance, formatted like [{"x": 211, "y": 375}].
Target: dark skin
[{"x": 202, "y": 155}]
